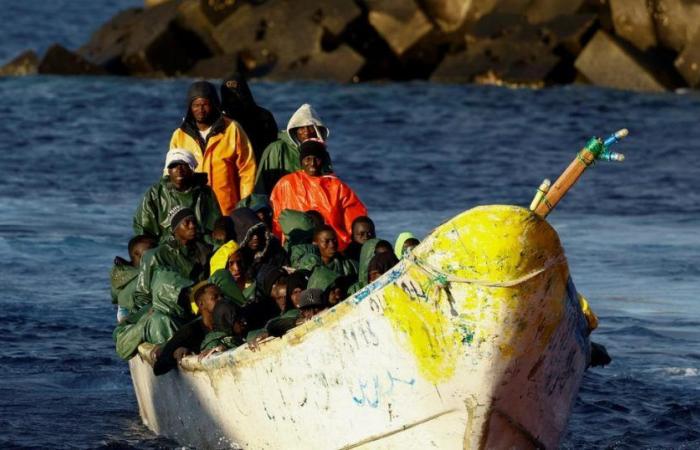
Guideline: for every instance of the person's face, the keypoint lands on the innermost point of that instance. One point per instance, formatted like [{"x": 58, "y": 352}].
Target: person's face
[
  {"x": 180, "y": 174},
  {"x": 327, "y": 244},
  {"x": 308, "y": 313},
  {"x": 312, "y": 165},
  {"x": 279, "y": 295},
  {"x": 335, "y": 295},
  {"x": 257, "y": 241},
  {"x": 209, "y": 299},
  {"x": 381, "y": 249},
  {"x": 201, "y": 109},
  {"x": 407, "y": 247},
  {"x": 218, "y": 235},
  {"x": 139, "y": 250},
  {"x": 264, "y": 216},
  {"x": 296, "y": 296},
  {"x": 240, "y": 327},
  {"x": 373, "y": 275},
  {"x": 236, "y": 266},
  {"x": 362, "y": 232},
  {"x": 305, "y": 133},
  {"x": 186, "y": 231}
]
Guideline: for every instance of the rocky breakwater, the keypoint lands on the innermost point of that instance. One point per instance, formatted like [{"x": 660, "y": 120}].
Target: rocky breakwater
[{"x": 649, "y": 45}]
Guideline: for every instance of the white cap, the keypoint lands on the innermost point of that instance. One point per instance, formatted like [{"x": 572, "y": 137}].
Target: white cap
[{"x": 180, "y": 155}]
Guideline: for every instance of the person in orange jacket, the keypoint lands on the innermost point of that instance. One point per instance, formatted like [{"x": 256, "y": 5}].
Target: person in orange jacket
[
  {"x": 219, "y": 145},
  {"x": 309, "y": 189}
]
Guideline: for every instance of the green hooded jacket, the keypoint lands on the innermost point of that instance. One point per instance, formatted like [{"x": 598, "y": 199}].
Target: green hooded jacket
[
  {"x": 342, "y": 266},
  {"x": 151, "y": 216},
  {"x": 366, "y": 255},
  {"x": 123, "y": 283},
  {"x": 230, "y": 289},
  {"x": 167, "y": 289},
  {"x": 215, "y": 338},
  {"x": 145, "y": 325},
  {"x": 322, "y": 278},
  {"x": 282, "y": 156},
  {"x": 190, "y": 262}
]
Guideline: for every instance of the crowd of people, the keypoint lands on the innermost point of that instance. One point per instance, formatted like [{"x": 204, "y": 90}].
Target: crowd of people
[{"x": 248, "y": 233}]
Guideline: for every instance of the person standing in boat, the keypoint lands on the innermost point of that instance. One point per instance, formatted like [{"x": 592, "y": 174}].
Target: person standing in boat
[
  {"x": 310, "y": 188},
  {"x": 238, "y": 104},
  {"x": 282, "y": 156},
  {"x": 180, "y": 187},
  {"x": 182, "y": 253},
  {"x": 220, "y": 146}
]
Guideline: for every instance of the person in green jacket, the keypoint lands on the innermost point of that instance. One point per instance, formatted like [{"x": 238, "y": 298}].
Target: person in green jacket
[
  {"x": 405, "y": 243},
  {"x": 333, "y": 285},
  {"x": 327, "y": 242},
  {"x": 282, "y": 156},
  {"x": 180, "y": 187},
  {"x": 123, "y": 275},
  {"x": 182, "y": 253}
]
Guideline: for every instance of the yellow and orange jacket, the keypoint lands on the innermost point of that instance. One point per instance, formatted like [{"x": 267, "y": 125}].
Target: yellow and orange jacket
[{"x": 226, "y": 157}]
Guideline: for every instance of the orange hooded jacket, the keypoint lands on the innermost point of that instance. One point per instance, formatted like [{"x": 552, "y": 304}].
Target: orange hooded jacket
[{"x": 337, "y": 203}]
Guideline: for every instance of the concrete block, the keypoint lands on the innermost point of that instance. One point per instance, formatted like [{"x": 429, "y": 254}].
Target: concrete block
[
  {"x": 400, "y": 22},
  {"x": 191, "y": 16},
  {"x": 341, "y": 65},
  {"x": 540, "y": 11},
  {"x": 157, "y": 44},
  {"x": 688, "y": 62},
  {"x": 497, "y": 24},
  {"x": 676, "y": 21},
  {"x": 107, "y": 44},
  {"x": 606, "y": 61},
  {"x": 58, "y": 60},
  {"x": 504, "y": 60},
  {"x": 219, "y": 67},
  {"x": 633, "y": 22},
  {"x": 217, "y": 11},
  {"x": 26, "y": 63},
  {"x": 448, "y": 14},
  {"x": 336, "y": 15},
  {"x": 568, "y": 32}
]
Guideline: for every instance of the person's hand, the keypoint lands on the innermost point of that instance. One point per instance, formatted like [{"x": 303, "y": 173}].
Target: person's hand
[
  {"x": 180, "y": 353},
  {"x": 254, "y": 345},
  {"x": 211, "y": 351}
]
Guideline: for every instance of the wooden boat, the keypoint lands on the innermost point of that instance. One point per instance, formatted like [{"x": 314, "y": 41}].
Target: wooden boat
[{"x": 476, "y": 341}]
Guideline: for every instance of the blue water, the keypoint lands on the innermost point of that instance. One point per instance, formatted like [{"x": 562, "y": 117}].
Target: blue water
[{"x": 79, "y": 152}]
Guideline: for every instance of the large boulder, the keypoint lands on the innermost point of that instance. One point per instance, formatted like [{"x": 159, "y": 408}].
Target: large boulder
[
  {"x": 341, "y": 65},
  {"x": 676, "y": 22},
  {"x": 401, "y": 23},
  {"x": 448, "y": 14},
  {"x": 106, "y": 45},
  {"x": 540, "y": 11},
  {"x": 157, "y": 44},
  {"x": 633, "y": 22},
  {"x": 191, "y": 16},
  {"x": 26, "y": 63},
  {"x": 280, "y": 35},
  {"x": 567, "y": 33},
  {"x": 219, "y": 66},
  {"x": 606, "y": 61},
  {"x": 58, "y": 60},
  {"x": 688, "y": 62}
]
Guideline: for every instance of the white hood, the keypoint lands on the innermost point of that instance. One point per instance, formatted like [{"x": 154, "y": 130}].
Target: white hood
[{"x": 306, "y": 116}]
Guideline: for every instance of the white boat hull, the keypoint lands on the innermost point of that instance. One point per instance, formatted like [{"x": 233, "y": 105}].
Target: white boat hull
[{"x": 413, "y": 361}]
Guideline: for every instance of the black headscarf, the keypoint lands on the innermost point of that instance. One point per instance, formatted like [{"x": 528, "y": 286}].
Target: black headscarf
[{"x": 382, "y": 262}]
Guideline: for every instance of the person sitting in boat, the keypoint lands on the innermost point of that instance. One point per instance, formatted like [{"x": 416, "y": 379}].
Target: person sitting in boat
[
  {"x": 405, "y": 243},
  {"x": 230, "y": 328},
  {"x": 182, "y": 252},
  {"x": 260, "y": 205},
  {"x": 310, "y": 303},
  {"x": 380, "y": 264},
  {"x": 238, "y": 104},
  {"x": 270, "y": 298},
  {"x": 220, "y": 146},
  {"x": 252, "y": 233},
  {"x": 316, "y": 217},
  {"x": 333, "y": 285},
  {"x": 123, "y": 274},
  {"x": 309, "y": 189},
  {"x": 326, "y": 240},
  {"x": 369, "y": 249},
  {"x": 362, "y": 231},
  {"x": 230, "y": 268},
  {"x": 189, "y": 338},
  {"x": 282, "y": 156},
  {"x": 180, "y": 187},
  {"x": 223, "y": 231}
]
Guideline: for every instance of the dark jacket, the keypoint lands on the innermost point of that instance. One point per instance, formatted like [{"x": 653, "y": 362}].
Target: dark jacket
[
  {"x": 238, "y": 104},
  {"x": 189, "y": 336},
  {"x": 151, "y": 216}
]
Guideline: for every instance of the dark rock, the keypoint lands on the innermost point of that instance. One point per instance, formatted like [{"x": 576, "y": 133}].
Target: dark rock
[
  {"x": 220, "y": 66},
  {"x": 58, "y": 60},
  {"x": 157, "y": 44},
  {"x": 107, "y": 44},
  {"x": 688, "y": 62},
  {"x": 540, "y": 11},
  {"x": 341, "y": 65},
  {"x": 568, "y": 32},
  {"x": 401, "y": 23},
  {"x": 676, "y": 22},
  {"x": 448, "y": 14},
  {"x": 496, "y": 25},
  {"x": 381, "y": 62},
  {"x": 190, "y": 16},
  {"x": 217, "y": 11},
  {"x": 26, "y": 63},
  {"x": 606, "y": 61},
  {"x": 633, "y": 22},
  {"x": 280, "y": 35},
  {"x": 505, "y": 60},
  {"x": 420, "y": 61}
]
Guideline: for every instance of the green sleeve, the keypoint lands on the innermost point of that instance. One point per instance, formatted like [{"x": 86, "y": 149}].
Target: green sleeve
[
  {"x": 146, "y": 216},
  {"x": 223, "y": 279}
]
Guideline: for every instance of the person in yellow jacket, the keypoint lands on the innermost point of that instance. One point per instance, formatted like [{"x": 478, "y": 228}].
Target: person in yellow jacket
[{"x": 219, "y": 145}]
